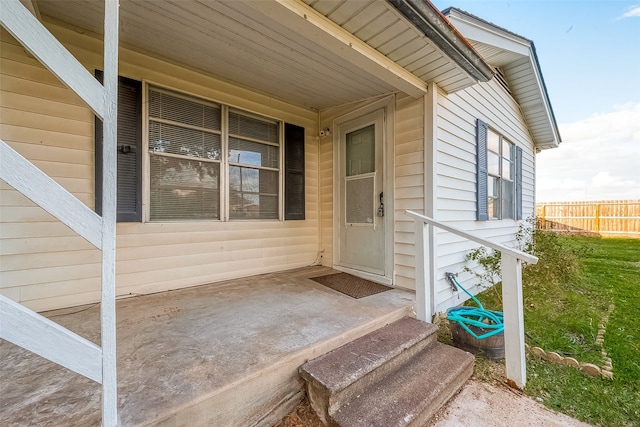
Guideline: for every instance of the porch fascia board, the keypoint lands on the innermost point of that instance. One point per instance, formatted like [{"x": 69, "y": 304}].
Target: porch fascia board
[{"x": 312, "y": 25}]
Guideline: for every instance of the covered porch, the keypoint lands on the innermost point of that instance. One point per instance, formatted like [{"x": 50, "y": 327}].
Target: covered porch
[{"x": 220, "y": 354}]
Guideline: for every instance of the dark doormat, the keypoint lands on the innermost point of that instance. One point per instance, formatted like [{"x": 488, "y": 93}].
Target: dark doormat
[{"x": 350, "y": 285}]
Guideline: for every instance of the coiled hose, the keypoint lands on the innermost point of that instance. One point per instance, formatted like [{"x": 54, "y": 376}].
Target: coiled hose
[{"x": 467, "y": 317}]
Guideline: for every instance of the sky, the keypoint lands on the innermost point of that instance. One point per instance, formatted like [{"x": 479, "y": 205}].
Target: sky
[{"x": 589, "y": 53}]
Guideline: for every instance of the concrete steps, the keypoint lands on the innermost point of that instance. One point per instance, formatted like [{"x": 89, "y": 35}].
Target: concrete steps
[{"x": 398, "y": 375}]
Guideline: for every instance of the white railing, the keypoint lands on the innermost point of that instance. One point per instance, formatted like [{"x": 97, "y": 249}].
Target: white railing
[
  {"x": 511, "y": 265},
  {"x": 18, "y": 324}
]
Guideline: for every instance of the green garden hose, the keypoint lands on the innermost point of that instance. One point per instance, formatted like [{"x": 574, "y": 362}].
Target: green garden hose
[{"x": 467, "y": 317}]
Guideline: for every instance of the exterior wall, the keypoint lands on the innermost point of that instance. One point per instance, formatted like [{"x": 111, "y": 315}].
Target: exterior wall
[
  {"x": 409, "y": 184},
  {"x": 44, "y": 265},
  {"x": 456, "y": 175},
  {"x": 408, "y": 178}
]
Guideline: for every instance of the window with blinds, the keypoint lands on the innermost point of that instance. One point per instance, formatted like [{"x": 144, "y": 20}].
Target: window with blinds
[
  {"x": 185, "y": 156},
  {"x": 192, "y": 142},
  {"x": 254, "y": 167}
]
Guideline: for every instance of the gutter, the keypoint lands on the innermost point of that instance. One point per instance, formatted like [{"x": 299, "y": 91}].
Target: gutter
[{"x": 430, "y": 21}]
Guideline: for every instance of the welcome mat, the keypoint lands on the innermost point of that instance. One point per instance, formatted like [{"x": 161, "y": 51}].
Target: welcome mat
[{"x": 350, "y": 285}]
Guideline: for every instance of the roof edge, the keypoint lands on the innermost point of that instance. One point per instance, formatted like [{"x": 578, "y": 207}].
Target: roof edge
[
  {"x": 428, "y": 19},
  {"x": 533, "y": 57},
  {"x": 453, "y": 10},
  {"x": 545, "y": 92}
]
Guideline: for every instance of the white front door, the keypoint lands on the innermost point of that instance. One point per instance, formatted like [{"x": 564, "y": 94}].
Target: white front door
[{"x": 361, "y": 225}]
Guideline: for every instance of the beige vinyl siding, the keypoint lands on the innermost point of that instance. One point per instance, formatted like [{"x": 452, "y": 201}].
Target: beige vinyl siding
[
  {"x": 409, "y": 183},
  {"x": 456, "y": 175},
  {"x": 44, "y": 265},
  {"x": 326, "y": 198}
]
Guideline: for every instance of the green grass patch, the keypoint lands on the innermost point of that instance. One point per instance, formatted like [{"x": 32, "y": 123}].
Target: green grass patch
[{"x": 566, "y": 296}]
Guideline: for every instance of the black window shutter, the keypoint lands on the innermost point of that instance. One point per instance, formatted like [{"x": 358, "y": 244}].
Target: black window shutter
[
  {"x": 129, "y": 156},
  {"x": 293, "y": 172},
  {"x": 518, "y": 183},
  {"x": 482, "y": 210}
]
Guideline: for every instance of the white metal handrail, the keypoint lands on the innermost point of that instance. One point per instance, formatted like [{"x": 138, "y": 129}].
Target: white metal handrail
[{"x": 511, "y": 268}]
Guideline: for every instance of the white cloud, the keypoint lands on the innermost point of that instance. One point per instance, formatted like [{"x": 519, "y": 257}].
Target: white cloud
[
  {"x": 599, "y": 159},
  {"x": 634, "y": 11}
]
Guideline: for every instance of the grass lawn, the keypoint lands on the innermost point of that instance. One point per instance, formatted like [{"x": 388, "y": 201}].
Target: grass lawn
[{"x": 563, "y": 314}]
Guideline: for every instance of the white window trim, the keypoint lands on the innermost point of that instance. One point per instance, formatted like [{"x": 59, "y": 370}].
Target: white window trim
[
  {"x": 224, "y": 158},
  {"x": 512, "y": 159}
]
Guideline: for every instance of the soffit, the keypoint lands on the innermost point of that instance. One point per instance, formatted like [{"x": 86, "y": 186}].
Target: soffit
[
  {"x": 382, "y": 27},
  {"x": 515, "y": 56},
  {"x": 263, "y": 46},
  {"x": 495, "y": 56}
]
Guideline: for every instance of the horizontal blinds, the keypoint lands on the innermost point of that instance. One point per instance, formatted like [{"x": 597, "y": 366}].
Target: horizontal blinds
[
  {"x": 186, "y": 159},
  {"x": 185, "y": 147},
  {"x": 173, "y": 107},
  {"x": 183, "y": 188},
  {"x": 254, "y": 161},
  {"x": 252, "y": 127},
  {"x": 174, "y": 139}
]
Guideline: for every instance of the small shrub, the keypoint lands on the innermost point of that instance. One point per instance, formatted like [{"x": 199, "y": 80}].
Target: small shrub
[
  {"x": 489, "y": 272},
  {"x": 559, "y": 259},
  {"x": 489, "y": 261}
]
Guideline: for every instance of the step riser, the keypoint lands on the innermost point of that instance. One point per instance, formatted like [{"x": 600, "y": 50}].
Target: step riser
[
  {"x": 443, "y": 397},
  {"x": 412, "y": 394},
  {"x": 396, "y": 376},
  {"x": 334, "y": 377},
  {"x": 378, "y": 374}
]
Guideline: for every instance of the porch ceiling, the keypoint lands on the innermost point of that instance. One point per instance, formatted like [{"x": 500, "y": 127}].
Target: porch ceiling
[{"x": 311, "y": 55}]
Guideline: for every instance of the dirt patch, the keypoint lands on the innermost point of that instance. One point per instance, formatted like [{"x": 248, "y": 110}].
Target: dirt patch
[
  {"x": 491, "y": 405},
  {"x": 302, "y": 416}
]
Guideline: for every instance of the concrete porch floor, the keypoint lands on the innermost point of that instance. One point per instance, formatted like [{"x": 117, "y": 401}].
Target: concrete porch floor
[{"x": 224, "y": 354}]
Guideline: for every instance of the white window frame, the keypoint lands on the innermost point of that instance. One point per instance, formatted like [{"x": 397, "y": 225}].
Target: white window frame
[
  {"x": 224, "y": 158},
  {"x": 498, "y": 199}
]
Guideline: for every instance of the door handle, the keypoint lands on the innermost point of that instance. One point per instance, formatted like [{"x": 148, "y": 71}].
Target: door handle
[{"x": 381, "y": 207}]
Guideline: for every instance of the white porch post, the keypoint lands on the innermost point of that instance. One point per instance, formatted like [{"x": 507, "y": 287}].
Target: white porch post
[
  {"x": 511, "y": 289},
  {"x": 513, "y": 319},
  {"x": 109, "y": 182},
  {"x": 423, "y": 289},
  {"x": 25, "y": 327}
]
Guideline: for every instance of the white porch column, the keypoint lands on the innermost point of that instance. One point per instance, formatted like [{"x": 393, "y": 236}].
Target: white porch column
[
  {"x": 110, "y": 134},
  {"x": 512, "y": 307},
  {"x": 424, "y": 309}
]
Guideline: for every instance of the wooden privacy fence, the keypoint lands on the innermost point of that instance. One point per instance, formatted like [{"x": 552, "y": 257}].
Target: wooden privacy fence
[{"x": 620, "y": 218}]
